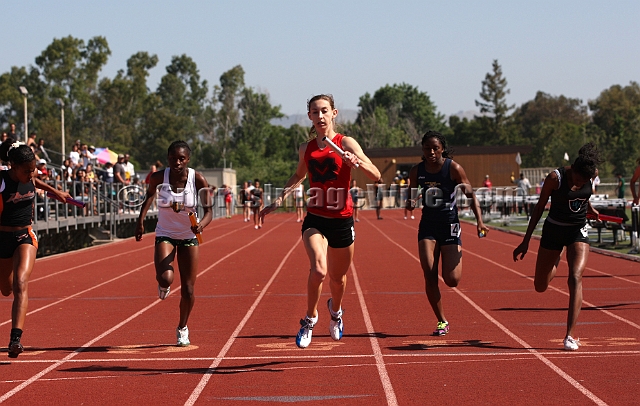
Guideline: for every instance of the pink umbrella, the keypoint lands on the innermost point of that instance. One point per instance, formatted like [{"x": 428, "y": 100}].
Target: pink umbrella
[{"x": 107, "y": 155}]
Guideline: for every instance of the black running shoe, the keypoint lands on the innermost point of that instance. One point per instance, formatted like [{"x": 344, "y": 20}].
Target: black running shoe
[{"x": 15, "y": 348}]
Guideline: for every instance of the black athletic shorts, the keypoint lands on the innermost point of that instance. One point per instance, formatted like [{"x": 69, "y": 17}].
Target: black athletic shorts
[
  {"x": 338, "y": 232},
  {"x": 555, "y": 237},
  {"x": 10, "y": 240},
  {"x": 442, "y": 233},
  {"x": 190, "y": 242}
]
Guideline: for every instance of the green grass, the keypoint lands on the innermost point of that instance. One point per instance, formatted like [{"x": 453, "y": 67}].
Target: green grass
[{"x": 520, "y": 224}]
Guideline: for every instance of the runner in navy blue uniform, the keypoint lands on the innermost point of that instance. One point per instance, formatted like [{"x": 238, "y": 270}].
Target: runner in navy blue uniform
[
  {"x": 566, "y": 226},
  {"x": 439, "y": 229}
]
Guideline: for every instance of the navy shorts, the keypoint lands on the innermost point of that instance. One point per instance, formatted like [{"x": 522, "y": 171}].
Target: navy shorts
[
  {"x": 442, "y": 233},
  {"x": 556, "y": 237},
  {"x": 191, "y": 242},
  {"x": 10, "y": 240},
  {"x": 338, "y": 232}
]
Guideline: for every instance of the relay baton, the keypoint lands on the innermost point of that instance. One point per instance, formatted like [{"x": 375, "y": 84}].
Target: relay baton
[
  {"x": 69, "y": 200},
  {"x": 604, "y": 217},
  {"x": 194, "y": 222},
  {"x": 336, "y": 148}
]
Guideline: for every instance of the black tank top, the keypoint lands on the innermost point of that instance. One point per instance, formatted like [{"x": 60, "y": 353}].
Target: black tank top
[
  {"x": 16, "y": 206},
  {"x": 569, "y": 207},
  {"x": 439, "y": 204}
]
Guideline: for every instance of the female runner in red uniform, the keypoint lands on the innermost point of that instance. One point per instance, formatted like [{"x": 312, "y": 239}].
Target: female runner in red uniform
[
  {"x": 18, "y": 243},
  {"x": 569, "y": 188},
  {"x": 327, "y": 230}
]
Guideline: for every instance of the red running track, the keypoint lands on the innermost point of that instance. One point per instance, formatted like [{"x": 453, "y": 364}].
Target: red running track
[{"x": 97, "y": 334}]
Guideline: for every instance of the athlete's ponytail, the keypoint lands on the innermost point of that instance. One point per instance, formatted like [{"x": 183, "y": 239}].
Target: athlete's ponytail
[
  {"x": 587, "y": 161},
  {"x": 16, "y": 152}
]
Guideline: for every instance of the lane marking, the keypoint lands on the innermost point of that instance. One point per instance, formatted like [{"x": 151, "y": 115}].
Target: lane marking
[
  {"x": 382, "y": 370},
  {"x": 584, "y": 302},
  {"x": 45, "y": 371},
  {"x": 432, "y": 354},
  {"x": 209, "y": 372},
  {"x": 508, "y": 332}
]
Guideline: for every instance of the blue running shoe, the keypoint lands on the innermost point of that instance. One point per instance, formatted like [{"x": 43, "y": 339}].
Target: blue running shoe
[{"x": 303, "y": 339}]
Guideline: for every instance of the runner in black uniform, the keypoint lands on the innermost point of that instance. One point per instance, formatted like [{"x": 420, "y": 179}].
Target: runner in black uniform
[
  {"x": 565, "y": 226},
  {"x": 18, "y": 242},
  {"x": 439, "y": 229}
]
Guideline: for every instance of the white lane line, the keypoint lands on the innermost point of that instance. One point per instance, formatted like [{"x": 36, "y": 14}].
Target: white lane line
[
  {"x": 565, "y": 261},
  {"x": 382, "y": 370},
  {"x": 524, "y": 354},
  {"x": 207, "y": 375},
  {"x": 508, "y": 332},
  {"x": 88, "y": 344},
  {"x": 607, "y": 312},
  {"x": 104, "y": 283},
  {"x": 146, "y": 247}
]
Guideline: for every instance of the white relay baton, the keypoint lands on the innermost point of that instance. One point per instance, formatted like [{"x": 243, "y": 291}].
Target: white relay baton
[{"x": 336, "y": 148}]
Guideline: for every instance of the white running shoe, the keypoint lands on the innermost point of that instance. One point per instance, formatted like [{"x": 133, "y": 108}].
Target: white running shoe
[
  {"x": 303, "y": 339},
  {"x": 571, "y": 344},
  {"x": 405, "y": 217},
  {"x": 163, "y": 292},
  {"x": 183, "y": 336},
  {"x": 412, "y": 218},
  {"x": 335, "y": 325}
]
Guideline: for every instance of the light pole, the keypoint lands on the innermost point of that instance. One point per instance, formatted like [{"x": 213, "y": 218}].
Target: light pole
[
  {"x": 60, "y": 103},
  {"x": 24, "y": 92}
]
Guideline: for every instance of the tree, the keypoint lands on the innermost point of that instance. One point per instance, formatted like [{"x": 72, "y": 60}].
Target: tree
[
  {"x": 494, "y": 105},
  {"x": 228, "y": 117},
  {"x": 552, "y": 125},
  {"x": 395, "y": 116},
  {"x": 617, "y": 112}
]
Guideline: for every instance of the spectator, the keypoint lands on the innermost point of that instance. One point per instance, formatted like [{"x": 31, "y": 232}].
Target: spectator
[
  {"x": 355, "y": 193},
  {"x": 379, "y": 190},
  {"x": 523, "y": 186},
  {"x": 129, "y": 171},
  {"x": 66, "y": 171},
  {"x": 41, "y": 151},
  {"x": 228, "y": 199},
  {"x": 86, "y": 155},
  {"x": 487, "y": 182},
  {"x": 620, "y": 187},
  {"x": 299, "y": 196},
  {"x": 74, "y": 156},
  {"x": 43, "y": 174},
  {"x": 31, "y": 142},
  {"x": 107, "y": 173},
  {"x": 632, "y": 183},
  {"x": 595, "y": 183},
  {"x": 4, "y": 136},
  {"x": 12, "y": 131},
  {"x": 152, "y": 169},
  {"x": 119, "y": 171}
]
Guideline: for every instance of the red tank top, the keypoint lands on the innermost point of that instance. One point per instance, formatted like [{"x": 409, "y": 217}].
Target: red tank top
[{"x": 329, "y": 178}]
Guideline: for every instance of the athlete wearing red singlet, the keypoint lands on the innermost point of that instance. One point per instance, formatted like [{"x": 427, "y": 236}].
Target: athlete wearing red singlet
[
  {"x": 328, "y": 171},
  {"x": 327, "y": 230}
]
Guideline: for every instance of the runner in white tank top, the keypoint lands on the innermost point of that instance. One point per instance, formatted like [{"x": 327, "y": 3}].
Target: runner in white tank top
[{"x": 178, "y": 188}]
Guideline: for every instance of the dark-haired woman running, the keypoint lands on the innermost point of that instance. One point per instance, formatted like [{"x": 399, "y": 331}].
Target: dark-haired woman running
[
  {"x": 178, "y": 189},
  {"x": 566, "y": 226},
  {"x": 439, "y": 229},
  {"x": 18, "y": 242}
]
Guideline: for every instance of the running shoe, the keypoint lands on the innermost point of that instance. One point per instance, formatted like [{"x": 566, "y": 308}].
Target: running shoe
[
  {"x": 335, "y": 325},
  {"x": 571, "y": 344},
  {"x": 163, "y": 292},
  {"x": 303, "y": 339},
  {"x": 442, "y": 328},
  {"x": 183, "y": 336},
  {"x": 15, "y": 348}
]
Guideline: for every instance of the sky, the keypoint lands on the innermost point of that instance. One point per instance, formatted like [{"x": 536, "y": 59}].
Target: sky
[{"x": 293, "y": 50}]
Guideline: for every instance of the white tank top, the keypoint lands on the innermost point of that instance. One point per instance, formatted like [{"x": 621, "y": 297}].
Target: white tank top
[{"x": 171, "y": 224}]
